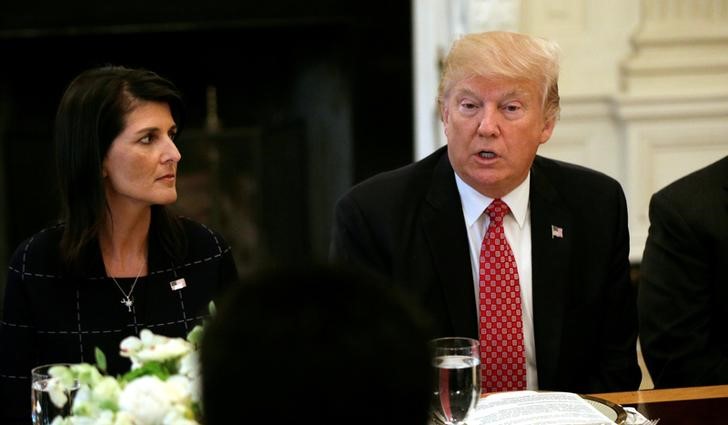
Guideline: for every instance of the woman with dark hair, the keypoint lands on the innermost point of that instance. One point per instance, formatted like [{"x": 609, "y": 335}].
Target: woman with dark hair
[{"x": 118, "y": 261}]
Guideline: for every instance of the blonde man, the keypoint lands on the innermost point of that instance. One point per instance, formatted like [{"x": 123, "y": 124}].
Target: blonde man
[{"x": 544, "y": 285}]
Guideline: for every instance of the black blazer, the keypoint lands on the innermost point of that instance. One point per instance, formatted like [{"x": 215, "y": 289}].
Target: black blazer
[
  {"x": 51, "y": 316},
  {"x": 683, "y": 292},
  {"x": 408, "y": 225}
]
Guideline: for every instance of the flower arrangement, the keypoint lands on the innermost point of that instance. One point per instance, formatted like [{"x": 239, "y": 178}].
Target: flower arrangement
[{"x": 162, "y": 387}]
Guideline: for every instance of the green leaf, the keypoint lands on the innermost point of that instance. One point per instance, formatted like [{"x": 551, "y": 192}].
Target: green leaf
[
  {"x": 86, "y": 374},
  {"x": 197, "y": 409},
  {"x": 195, "y": 335},
  {"x": 161, "y": 370},
  {"x": 100, "y": 360}
]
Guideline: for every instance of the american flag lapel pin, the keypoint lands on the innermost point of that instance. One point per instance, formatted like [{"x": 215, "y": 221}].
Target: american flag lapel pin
[
  {"x": 557, "y": 232},
  {"x": 177, "y": 284}
]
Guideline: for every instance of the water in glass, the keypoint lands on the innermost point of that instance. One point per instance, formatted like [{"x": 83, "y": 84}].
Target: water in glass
[
  {"x": 456, "y": 382},
  {"x": 43, "y": 411}
]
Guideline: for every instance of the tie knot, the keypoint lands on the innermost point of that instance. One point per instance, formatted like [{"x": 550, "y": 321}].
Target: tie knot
[{"x": 497, "y": 210}]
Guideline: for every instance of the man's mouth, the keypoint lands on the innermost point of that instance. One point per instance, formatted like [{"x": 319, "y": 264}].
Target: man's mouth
[{"x": 487, "y": 154}]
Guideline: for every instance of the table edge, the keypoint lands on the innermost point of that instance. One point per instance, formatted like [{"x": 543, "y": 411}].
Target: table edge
[{"x": 668, "y": 394}]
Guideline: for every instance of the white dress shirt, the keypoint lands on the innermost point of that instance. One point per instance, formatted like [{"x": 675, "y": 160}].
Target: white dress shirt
[{"x": 517, "y": 229}]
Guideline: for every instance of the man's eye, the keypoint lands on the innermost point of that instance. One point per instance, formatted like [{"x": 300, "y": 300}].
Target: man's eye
[
  {"x": 512, "y": 108},
  {"x": 468, "y": 108}
]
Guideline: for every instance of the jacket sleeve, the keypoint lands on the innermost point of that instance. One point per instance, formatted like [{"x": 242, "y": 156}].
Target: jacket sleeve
[
  {"x": 354, "y": 240},
  {"x": 675, "y": 301},
  {"x": 618, "y": 369},
  {"x": 16, "y": 341}
]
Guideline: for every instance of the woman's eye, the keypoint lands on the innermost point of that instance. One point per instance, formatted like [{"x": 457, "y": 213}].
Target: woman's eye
[
  {"x": 146, "y": 139},
  {"x": 172, "y": 135}
]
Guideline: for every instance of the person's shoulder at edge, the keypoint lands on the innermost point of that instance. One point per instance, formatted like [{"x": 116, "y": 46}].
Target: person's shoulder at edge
[
  {"x": 580, "y": 183},
  {"x": 39, "y": 252},
  {"x": 691, "y": 188},
  {"x": 393, "y": 180},
  {"x": 388, "y": 197},
  {"x": 202, "y": 236},
  {"x": 206, "y": 245},
  {"x": 574, "y": 173}
]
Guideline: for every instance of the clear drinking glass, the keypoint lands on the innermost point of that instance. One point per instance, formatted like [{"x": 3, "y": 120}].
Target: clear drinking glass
[
  {"x": 42, "y": 383},
  {"x": 456, "y": 368}
]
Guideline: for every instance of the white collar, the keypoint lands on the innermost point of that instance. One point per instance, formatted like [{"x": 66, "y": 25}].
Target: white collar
[{"x": 474, "y": 203}]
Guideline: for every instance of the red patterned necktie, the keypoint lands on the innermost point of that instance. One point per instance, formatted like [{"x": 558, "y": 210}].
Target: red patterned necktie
[{"x": 502, "y": 353}]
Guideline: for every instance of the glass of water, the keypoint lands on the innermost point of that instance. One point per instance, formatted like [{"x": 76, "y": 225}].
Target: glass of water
[
  {"x": 456, "y": 369},
  {"x": 44, "y": 409}
]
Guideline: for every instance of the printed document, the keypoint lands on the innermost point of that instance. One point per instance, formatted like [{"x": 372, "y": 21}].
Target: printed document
[{"x": 536, "y": 408}]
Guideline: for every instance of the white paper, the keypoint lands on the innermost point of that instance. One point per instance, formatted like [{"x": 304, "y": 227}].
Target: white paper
[{"x": 536, "y": 408}]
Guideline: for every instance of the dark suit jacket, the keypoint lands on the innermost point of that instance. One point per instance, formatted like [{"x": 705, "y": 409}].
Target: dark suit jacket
[
  {"x": 683, "y": 292},
  {"x": 408, "y": 225}
]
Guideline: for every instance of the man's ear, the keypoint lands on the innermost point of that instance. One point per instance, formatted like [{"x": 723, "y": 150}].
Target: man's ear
[
  {"x": 445, "y": 117},
  {"x": 548, "y": 129}
]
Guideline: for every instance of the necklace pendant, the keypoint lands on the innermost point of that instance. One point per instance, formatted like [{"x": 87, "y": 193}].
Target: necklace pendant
[{"x": 128, "y": 302}]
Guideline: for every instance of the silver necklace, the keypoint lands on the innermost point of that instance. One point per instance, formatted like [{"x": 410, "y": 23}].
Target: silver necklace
[{"x": 128, "y": 301}]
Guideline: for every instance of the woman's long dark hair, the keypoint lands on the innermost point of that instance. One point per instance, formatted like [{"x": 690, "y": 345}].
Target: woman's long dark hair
[{"x": 91, "y": 114}]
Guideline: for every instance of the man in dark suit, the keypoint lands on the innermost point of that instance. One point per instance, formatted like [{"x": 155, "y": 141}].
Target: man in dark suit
[
  {"x": 683, "y": 290},
  {"x": 424, "y": 225}
]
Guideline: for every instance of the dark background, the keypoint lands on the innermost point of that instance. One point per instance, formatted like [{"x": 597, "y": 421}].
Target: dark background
[{"x": 289, "y": 103}]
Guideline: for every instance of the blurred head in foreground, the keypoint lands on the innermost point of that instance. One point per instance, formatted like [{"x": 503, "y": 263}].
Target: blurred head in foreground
[{"x": 322, "y": 343}]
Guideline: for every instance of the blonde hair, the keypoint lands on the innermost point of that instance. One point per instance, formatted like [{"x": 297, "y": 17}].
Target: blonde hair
[{"x": 499, "y": 54}]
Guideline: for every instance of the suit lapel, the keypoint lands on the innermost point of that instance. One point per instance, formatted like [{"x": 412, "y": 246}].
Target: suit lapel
[
  {"x": 550, "y": 260},
  {"x": 445, "y": 232}
]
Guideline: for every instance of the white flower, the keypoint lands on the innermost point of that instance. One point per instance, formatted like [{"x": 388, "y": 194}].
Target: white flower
[
  {"x": 124, "y": 418},
  {"x": 61, "y": 382},
  {"x": 97, "y": 400},
  {"x": 150, "y": 347},
  {"x": 130, "y": 344},
  {"x": 181, "y": 386},
  {"x": 189, "y": 366},
  {"x": 104, "y": 418},
  {"x": 163, "y": 387},
  {"x": 148, "y": 399},
  {"x": 178, "y": 416},
  {"x": 57, "y": 392},
  {"x": 86, "y": 373}
]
